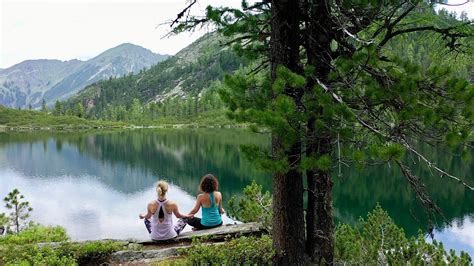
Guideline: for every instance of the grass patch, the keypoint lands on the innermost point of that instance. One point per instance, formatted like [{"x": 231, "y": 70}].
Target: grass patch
[
  {"x": 36, "y": 234},
  {"x": 13, "y": 118}
]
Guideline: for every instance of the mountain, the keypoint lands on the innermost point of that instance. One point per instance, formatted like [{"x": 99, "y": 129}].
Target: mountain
[
  {"x": 33, "y": 80},
  {"x": 186, "y": 74},
  {"x": 26, "y": 82}
]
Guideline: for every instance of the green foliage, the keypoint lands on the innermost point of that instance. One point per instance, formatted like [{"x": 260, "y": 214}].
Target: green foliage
[
  {"x": 178, "y": 89},
  {"x": 79, "y": 110},
  {"x": 20, "y": 210},
  {"x": 32, "y": 254},
  {"x": 66, "y": 254},
  {"x": 378, "y": 240},
  {"x": 238, "y": 251},
  {"x": 3, "y": 221},
  {"x": 90, "y": 253},
  {"x": 252, "y": 206},
  {"x": 374, "y": 240},
  {"x": 36, "y": 234},
  {"x": 33, "y": 119},
  {"x": 58, "y": 108},
  {"x": 22, "y": 248},
  {"x": 96, "y": 252}
]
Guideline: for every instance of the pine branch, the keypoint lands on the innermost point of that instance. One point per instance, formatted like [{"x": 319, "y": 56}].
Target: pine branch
[
  {"x": 433, "y": 166},
  {"x": 181, "y": 14},
  {"x": 445, "y": 32},
  {"x": 399, "y": 139},
  {"x": 419, "y": 188}
]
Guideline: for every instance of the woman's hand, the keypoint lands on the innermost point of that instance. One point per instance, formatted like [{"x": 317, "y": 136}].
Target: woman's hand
[
  {"x": 141, "y": 216},
  {"x": 189, "y": 215},
  {"x": 222, "y": 211}
]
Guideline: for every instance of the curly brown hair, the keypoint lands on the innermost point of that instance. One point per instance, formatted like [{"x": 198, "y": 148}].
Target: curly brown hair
[{"x": 208, "y": 184}]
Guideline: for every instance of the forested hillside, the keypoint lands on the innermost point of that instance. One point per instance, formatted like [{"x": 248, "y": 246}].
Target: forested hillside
[{"x": 180, "y": 86}]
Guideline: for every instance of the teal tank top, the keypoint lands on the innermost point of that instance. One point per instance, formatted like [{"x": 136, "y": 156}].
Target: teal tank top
[{"x": 211, "y": 215}]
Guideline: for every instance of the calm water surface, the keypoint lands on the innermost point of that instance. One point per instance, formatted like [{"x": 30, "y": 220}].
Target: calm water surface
[{"x": 95, "y": 183}]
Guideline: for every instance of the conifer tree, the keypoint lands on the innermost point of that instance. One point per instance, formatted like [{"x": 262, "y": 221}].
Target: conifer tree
[
  {"x": 80, "y": 110},
  {"x": 20, "y": 210},
  {"x": 57, "y": 108},
  {"x": 44, "y": 108},
  {"x": 333, "y": 94}
]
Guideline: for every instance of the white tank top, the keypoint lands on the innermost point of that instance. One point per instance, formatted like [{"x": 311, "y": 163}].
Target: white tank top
[{"x": 162, "y": 230}]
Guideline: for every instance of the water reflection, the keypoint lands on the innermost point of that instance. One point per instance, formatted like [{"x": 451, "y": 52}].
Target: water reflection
[
  {"x": 86, "y": 207},
  {"x": 95, "y": 183},
  {"x": 359, "y": 191},
  {"x": 129, "y": 161}
]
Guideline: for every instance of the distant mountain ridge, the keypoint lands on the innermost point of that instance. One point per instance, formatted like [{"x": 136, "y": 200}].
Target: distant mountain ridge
[
  {"x": 184, "y": 75},
  {"x": 31, "y": 81}
]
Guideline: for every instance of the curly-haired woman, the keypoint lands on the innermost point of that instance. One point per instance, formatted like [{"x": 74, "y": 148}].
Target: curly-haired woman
[{"x": 211, "y": 202}]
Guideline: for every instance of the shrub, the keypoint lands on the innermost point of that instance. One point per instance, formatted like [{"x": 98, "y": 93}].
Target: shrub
[
  {"x": 378, "y": 240},
  {"x": 22, "y": 249},
  {"x": 254, "y": 206},
  {"x": 36, "y": 234},
  {"x": 238, "y": 251},
  {"x": 95, "y": 252},
  {"x": 31, "y": 254}
]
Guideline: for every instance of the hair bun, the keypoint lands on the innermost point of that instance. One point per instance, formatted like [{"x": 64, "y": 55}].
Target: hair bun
[{"x": 162, "y": 188}]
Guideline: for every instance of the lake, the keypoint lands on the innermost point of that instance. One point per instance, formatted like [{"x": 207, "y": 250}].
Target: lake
[{"x": 95, "y": 183}]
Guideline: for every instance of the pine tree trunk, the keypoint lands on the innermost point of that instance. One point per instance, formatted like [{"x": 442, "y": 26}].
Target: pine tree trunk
[
  {"x": 319, "y": 216},
  {"x": 288, "y": 221},
  {"x": 288, "y": 230},
  {"x": 17, "y": 219}
]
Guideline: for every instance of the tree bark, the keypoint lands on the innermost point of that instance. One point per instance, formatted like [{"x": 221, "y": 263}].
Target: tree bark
[
  {"x": 319, "y": 216},
  {"x": 288, "y": 230}
]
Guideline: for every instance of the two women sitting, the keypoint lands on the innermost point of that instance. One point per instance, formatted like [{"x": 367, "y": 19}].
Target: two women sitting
[{"x": 158, "y": 219}]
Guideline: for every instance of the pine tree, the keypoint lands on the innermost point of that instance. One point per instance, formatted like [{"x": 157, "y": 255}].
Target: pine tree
[
  {"x": 57, "y": 108},
  {"x": 333, "y": 94},
  {"x": 80, "y": 110},
  {"x": 44, "y": 108},
  {"x": 135, "y": 110},
  {"x": 69, "y": 111},
  {"x": 20, "y": 210}
]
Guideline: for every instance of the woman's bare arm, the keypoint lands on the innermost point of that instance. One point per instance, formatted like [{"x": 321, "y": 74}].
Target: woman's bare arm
[
  {"x": 176, "y": 212},
  {"x": 150, "y": 211},
  {"x": 196, "y": 206},
  {"x": 221, "y": 209}
]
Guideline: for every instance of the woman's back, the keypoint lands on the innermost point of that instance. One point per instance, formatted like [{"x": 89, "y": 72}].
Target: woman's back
[
  {"x": 162, "y": 222},
  {"x": 210, "y": 209}
]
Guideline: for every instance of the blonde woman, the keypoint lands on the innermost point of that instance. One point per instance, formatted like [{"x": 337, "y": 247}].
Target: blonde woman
[{"x": 161, "y": 210}]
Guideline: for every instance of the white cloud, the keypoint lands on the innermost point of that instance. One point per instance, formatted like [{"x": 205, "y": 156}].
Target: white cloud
[{"x": 464, "y": 232}]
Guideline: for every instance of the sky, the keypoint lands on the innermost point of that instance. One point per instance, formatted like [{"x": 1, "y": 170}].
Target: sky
[
  {"x": 82, "y": 29},
  {"x": 69, "y": 29}
]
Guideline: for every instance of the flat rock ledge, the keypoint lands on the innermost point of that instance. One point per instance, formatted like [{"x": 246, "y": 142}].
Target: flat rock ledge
[
  {"x": 214, "y": 234},
  {"x": 143, "y": 252},
  {"x": 145, "y": 256}
]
